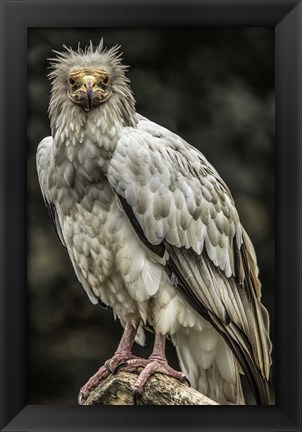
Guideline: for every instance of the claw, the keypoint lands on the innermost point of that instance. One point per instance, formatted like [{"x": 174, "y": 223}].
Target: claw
[
  {"x": 109, "y": 368},
  {"x": 81, "y": 399},
  {"x": 121, "y": 364},
  {"x": 187, "y": 381},
  {"x": 117, "y": 367},
  {"x": 136, "y": 396}
]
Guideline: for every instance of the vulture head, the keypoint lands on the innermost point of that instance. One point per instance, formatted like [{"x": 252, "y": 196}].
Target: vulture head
[{"x": 91, "y": 82}]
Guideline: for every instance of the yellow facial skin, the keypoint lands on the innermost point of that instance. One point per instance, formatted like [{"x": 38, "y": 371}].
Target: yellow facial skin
[{"x": 89, "y": 87}]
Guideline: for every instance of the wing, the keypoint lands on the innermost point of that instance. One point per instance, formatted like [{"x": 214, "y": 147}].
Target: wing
[
  {"x": 184, "y": 213},
  {"x": 43, "y": 161}
]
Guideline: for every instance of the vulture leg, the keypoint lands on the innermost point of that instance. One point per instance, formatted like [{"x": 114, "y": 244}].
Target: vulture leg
[
  {"x": 120, "y": 358},
  {"x": 157, "y": 362}
]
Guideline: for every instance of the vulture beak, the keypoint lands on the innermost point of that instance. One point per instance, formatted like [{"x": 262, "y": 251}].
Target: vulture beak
[
  {"x": 89, "y": 94},
  {"x": 89, "y": 84}
]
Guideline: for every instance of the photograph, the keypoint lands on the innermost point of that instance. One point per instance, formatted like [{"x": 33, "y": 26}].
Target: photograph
[{"x": 151, "y": 216}]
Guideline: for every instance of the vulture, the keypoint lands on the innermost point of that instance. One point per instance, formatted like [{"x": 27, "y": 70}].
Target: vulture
[{"x": 152, "y": 231}]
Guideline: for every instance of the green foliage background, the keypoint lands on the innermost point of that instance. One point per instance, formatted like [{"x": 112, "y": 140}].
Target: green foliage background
[{"x": 212, "y": 86}]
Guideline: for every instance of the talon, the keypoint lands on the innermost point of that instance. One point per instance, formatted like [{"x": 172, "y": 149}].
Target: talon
[
  {"x": 109, "y": 368},
  {"x": 187, "y": 381},
  {"x": 124, "y": 363},
  {"x": 136, "y": 395},
  {"x": 81, "y": 398}
]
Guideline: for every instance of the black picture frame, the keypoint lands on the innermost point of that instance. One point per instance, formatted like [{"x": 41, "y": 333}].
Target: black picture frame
[{"x": 16, "y": 18}]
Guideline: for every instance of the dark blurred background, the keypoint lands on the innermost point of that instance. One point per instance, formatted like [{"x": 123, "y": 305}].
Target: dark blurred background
[{"x": 212, "y": 86}]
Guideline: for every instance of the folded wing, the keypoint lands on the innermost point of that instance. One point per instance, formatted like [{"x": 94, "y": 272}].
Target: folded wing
[
  {"x": 43, "y": 161},
  {"x": 184, "y": 213}
]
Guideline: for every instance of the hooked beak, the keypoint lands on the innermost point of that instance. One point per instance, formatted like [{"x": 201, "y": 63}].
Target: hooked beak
[
  {"x": 89, "y": 83},
  {"x": 89, "y": 95}
]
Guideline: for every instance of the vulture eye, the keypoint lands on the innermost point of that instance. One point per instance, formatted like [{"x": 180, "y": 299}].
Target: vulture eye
[
  {"x": 74, "y": 84},
  {"x": 104, "y": 83}
]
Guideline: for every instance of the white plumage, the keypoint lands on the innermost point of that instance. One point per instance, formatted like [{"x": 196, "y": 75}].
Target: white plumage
[{"x": 152, "y": 230}]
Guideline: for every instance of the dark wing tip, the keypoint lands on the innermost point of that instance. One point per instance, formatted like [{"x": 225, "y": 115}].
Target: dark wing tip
[{"x": 55, "y": 221}]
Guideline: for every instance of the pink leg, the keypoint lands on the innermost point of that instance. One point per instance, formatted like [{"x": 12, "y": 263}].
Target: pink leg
[
  {"x": 120, "y": 358},
  {"x": 157, "y": 362}
]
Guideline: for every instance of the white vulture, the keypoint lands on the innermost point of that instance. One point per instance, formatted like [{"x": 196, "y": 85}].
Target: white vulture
[{"x": 152, "y": 231}]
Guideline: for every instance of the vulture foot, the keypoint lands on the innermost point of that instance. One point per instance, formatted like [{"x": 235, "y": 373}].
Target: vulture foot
[
  {"x": 157, "y": 363},
  {"x": 155, "y": 366},
  {"x": 121, "y": 357},
  {"x": 112, "y": 365}
]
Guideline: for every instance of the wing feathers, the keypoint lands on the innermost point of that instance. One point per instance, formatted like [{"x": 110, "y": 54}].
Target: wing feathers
[
  {"x": 43, "y": 160},
  {"x": 55, "y": 221},
  {"x": 185, "y": 212},
  {"x": 157, "y": 249},
  {"x": 251, "y": 351},
  {"x": 168, "y": 183}
]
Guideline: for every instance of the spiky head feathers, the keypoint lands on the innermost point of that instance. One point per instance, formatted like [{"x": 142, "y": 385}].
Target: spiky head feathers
[{"x": 91, "y": 73}]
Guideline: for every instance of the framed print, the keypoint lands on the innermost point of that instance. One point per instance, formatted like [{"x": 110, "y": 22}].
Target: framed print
[
  {"x": 201, "y": 84},
  {"x": 190, "y": 63}
]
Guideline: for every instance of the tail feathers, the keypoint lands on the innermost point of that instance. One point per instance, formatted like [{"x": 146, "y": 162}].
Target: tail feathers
[
  {"x": 240, "y": 346},
  {"x": 214, "y": 372}
]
